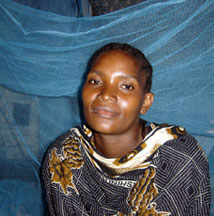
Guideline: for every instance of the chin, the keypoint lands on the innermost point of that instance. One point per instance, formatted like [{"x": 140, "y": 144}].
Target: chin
[
  {"x": 102, "y": 127},
  {"x": 101, "y": 123}
]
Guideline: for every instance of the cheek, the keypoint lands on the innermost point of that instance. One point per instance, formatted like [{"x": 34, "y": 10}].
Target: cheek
[
  {"x": 87, "y": 97},
  {"x": 133, "y": 105},
  {"x": 124, "y": 104}
]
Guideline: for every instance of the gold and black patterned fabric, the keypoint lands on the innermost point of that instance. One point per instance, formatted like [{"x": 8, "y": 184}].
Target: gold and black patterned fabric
[{"x": 167, "y": 174}]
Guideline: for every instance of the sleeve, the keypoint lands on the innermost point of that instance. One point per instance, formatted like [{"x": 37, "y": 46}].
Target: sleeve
[
  {"x": 46, "y": 174},
  {"x": 183, "y": 178},
  {"x": 46, "y": 177},
  {"x": 200, "y": 204}
]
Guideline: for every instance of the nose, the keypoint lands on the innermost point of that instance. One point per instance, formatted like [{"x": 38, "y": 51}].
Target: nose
[{"x": 107, "y": 94}]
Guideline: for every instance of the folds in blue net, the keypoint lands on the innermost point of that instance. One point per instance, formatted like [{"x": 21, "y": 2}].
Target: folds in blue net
[{"x": 46, "y": 54}]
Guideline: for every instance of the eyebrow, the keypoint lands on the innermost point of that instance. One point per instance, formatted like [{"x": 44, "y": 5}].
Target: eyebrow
[{"x": 120, "y": 74}]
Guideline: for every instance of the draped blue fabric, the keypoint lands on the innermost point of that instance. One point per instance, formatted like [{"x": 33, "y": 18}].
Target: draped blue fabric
[
  {"x": 73, "y": 8},
  {"x": 43, "y": 58}
]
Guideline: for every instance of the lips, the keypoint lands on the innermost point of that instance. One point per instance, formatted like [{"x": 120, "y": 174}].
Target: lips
[{"x": 104, "y": 111}]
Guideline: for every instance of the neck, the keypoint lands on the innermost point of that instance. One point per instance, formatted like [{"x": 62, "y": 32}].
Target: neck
[{"x": 120, "y": 144}]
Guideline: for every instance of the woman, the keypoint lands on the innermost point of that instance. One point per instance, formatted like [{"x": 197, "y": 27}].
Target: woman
[{"x": 118, "y": 164}]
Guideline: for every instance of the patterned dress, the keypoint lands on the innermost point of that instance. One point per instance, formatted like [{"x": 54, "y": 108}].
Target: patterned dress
[{"x": 167, "y": 174}]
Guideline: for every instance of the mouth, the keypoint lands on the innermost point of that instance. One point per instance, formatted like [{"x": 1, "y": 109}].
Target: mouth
[{"x": 105, "y": 112}]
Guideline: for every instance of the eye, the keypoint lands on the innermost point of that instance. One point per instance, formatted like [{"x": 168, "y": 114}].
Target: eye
[
  {"x": 127, "y": 87},
  {"x": 94, "y": 82}
]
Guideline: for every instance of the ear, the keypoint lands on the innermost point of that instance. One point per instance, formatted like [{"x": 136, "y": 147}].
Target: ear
[{"x": 148, "y": 101}]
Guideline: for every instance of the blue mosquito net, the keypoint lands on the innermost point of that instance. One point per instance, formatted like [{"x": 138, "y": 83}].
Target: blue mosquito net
[{"x": 43, "y": 58}]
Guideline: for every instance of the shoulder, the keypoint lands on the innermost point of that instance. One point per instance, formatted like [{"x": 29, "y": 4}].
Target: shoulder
[
  {"x": 187, "y": 146},
  {"x": 177, "y": 141},
  {"x": 182, "y": 176},
  {"x": 183, "y": 155},
  {"x": 178, "y": 150},
  {"x": 60, "y": 142}
]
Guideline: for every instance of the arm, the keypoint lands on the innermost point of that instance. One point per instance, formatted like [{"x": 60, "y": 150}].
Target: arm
[
  {"x": 46, "y": 176},
  {"x": 200, "y": 205}
]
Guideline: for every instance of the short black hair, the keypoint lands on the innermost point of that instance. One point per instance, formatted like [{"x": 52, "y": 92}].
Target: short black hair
[{"x": 144, "y": 66}]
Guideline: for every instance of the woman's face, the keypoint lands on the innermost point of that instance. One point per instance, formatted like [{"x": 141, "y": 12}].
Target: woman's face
[{"x": 113, "y": 94}]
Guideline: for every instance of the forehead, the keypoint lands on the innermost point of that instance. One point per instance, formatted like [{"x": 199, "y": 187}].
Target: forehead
[{"x": 117, "y": 61}]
